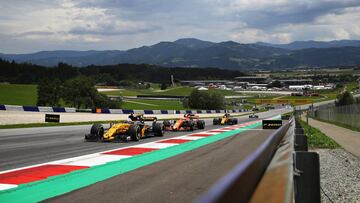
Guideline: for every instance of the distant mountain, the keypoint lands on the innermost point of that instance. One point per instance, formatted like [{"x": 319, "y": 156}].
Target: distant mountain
[
  {"x": 194, "y": 43},
  {"x": 313, "y": 44},
  {"x": 190, "y": 52},
  {"x": 317, "y": 57},
  {"x": 76, "y": 58}
]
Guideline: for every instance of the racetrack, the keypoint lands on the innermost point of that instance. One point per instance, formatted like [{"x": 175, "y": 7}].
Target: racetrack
[
  {"x": 24, "y": 147},
  {"x": 182, "y": 178},
  {"x": 29, "y": 146}
]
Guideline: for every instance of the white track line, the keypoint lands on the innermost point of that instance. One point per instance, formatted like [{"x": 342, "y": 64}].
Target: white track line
[
  {"x": 187, "y": 137},
  {"x": 92, "y": 161},
  {"x": 6, "y": 186},
  {"x": 157, "y": 145}
]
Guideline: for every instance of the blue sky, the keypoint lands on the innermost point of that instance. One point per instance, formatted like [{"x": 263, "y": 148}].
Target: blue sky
[{"x": 34, "y": 25}]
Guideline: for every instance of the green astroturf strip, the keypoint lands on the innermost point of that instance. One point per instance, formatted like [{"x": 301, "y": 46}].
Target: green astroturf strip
[{"x": 57, "y": 185}]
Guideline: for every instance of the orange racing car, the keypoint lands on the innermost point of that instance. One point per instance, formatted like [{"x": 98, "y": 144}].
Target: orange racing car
[{"x": 188, "y": 122}]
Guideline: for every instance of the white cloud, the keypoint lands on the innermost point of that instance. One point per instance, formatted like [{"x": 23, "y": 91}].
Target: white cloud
[
  {"x": 336, "y": 25},
  {"x": 67, "y": 22},
  {"x": 108, "y": 24},
  {"x": 251, "y": 35}
]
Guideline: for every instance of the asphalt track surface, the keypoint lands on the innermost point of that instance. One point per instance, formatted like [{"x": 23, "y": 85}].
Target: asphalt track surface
[
  {"x": 182, "y": 178},
  {"x": 30, "y": 146}
]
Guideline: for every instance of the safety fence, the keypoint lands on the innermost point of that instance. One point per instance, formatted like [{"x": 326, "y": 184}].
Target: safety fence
[{"x": 347, "y": 115}]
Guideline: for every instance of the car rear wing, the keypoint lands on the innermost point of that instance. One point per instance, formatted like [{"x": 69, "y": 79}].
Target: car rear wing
[
  {"x": 150, "y": 118},
  {"x": 191, "y": 116}
]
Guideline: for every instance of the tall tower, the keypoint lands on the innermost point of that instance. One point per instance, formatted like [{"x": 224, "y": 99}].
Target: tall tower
[{"x": 172, "y": 81}]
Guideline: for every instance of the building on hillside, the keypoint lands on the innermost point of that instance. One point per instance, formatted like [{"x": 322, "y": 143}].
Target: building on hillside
[
  {"x": 202, "y": 88},
  {"x": 266, "y": 75},
  {"x": 254, "y": 79},
  {"x": 256, "y": 86},
  {"x": 193, "y": 83},
  {"x": 296, "y": 82}
]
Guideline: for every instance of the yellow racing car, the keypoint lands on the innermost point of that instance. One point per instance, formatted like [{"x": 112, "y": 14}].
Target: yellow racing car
[
  {"x": 225, "y": 120},
  {"x": 132, "y": 130}
]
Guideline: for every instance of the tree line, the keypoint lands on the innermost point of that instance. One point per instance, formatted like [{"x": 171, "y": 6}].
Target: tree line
[
  {"x": 346, "y": 98},
  {"x": 208, "y": 100},
  {"x": 75, "y": 86},
  {"x": 78, "y": 92},
  {"x": 121, "y": 74}
]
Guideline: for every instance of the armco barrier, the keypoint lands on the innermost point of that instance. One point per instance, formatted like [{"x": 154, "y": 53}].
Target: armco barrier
[
  {"x": 110, "y": 111},
  {"x": 274, "y": 173},
  {"x": 239, "y": 184}
]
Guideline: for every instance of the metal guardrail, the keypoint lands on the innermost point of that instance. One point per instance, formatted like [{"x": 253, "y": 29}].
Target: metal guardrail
[
  {"x": 249, "y": 172},
  {"x": 278, "y": 177},
  {"x": 279, "y": 171}
]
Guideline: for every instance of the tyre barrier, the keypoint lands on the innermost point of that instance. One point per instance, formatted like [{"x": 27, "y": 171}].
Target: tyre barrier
[{"x": 307, "y": 168}]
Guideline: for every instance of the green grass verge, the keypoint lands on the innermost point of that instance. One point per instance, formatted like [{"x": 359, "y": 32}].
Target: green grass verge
[
  {"x": 248, "y": 106},
  {"x": 15, "y": 94},
  {"x": 175, "y": 91},
  {"x": 253, "y": 98},
  {"x": 152, "y": 104},
  {"x": 288, "y": 114},
  {"x": 300, "y": 97},
  {"x": 351, "y": 86},
  {"x": 227, "y": 92},
  {"x": 317, "y": 139}
]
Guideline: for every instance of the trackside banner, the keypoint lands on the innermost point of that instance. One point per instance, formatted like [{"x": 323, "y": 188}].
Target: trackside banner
[
  {"x": 271, "y": 124},
  {"x": 54, "y": 118}
]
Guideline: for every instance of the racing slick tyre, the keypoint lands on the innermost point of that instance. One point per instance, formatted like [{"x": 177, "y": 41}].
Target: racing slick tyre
[
  {"x": 234, "y": 121},
  {"x": 167, "y": 123},
  {"x": 134, "y": 132},
  {"x": 191, "y": 125},
  {"x": 97, "y": 130},
  {"x": 216, "y": 121},
  {"x": 201, "y": 124},
  {"x": 158, "y": 129}
]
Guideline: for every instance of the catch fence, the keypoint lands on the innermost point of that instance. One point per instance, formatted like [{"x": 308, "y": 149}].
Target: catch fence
[{"x": 347, "y": 115}]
